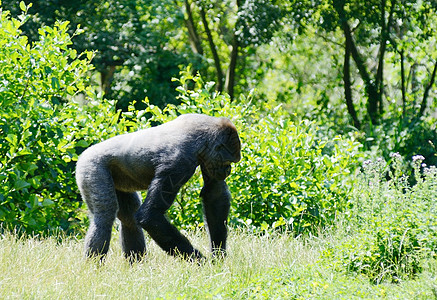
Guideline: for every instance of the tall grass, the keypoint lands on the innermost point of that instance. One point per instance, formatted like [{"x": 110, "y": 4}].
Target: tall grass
[
  {"x": 43, "y": 269},
  {"x": 258, "y": 267}
]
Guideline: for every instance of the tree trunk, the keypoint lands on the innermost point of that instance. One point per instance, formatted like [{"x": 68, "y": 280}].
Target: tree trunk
[
  {"x": 385, "y": 32},
  {"x": 230, "y": 76},
  {"x": 371, "y": 89},
  {"x": 213, "y": 48},
  {"x": 347, "y": 87},
  {"x": 106, "y": 76}
]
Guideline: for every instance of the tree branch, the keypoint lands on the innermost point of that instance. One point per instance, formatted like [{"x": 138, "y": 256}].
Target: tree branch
[
  {"x": 371, "y": 90},
  {"x": 404, "y": 100},
  {"x": 196, "y": 45},
  {"x": 427, "y": 89}
]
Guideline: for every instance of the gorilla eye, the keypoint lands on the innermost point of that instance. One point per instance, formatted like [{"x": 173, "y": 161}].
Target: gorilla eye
[{"x": 219, "y": 147}]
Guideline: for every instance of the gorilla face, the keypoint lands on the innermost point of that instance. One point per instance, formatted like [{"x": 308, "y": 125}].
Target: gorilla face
[{"x": 225, "y": 150}]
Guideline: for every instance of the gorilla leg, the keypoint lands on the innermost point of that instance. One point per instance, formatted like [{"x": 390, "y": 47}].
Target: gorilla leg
[
  {"x": 98, "y": 236},
  {"x": 216, "y": 204},
  {"x": 131, "y": 235},
  {"x": 97, "y": 189},
  {"x": 166, "y": 235},
  {"x": 150, "y": 216}
]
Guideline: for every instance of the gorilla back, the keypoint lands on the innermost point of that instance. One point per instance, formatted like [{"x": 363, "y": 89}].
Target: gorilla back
[{"x": 160, "y": 159}]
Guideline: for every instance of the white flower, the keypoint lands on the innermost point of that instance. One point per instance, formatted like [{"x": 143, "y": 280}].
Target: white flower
[
  {"x": 418, "y": 157},
  {"x": 367, "y": 162},
  {"x": 395, "y": 155}
]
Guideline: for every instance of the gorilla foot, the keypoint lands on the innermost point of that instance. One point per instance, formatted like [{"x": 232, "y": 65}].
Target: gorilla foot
[
  {"x": 100, "y": 259},
  {"x": 134, "y": 256},
  {"x": 193, "y": 256}
]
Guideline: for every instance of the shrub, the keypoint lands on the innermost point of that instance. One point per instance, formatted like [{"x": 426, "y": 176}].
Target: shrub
[
  {"x": 42, "y": 127},
  {"x": 406, "y": 137},
  {"x": 288, "y": 177}
]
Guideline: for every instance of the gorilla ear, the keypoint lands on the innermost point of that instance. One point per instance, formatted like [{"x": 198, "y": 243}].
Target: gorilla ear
[{"x": 231, "y": 146}]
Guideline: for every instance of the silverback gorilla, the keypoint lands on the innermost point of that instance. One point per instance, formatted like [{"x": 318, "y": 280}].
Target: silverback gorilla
[{"x": 160, "y": 159}]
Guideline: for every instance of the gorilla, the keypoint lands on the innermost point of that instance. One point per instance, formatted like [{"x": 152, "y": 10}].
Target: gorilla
[{"x": 160, "y": 159}]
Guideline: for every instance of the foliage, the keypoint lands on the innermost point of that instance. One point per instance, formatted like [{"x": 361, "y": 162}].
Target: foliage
[
  {"x": 43, "y": 127},
  {"x": 289, "y": 176},
  {"x": 380, "y": 56},
  {"x": 140, "y": 45},
  {"x": 131, "y": 39},
  {"x": 394, "y": 136},
  {"x": 145, "y": 56},
  {"x": 258, "y": 21},
  {"x": 393, "y": 223},
  {"x": 393, "y": 34},
  {"x": 303, "y": 75}
]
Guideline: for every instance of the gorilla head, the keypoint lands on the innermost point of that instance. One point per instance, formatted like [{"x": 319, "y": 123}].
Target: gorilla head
[{"x": 220, "y": 151}]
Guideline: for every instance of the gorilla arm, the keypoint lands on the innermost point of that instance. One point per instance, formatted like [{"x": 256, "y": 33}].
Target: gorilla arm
[
  {"x": 215, "y": 193},
  {"x": 216, "y": 203},
  {"x": 151, "y": 216}
]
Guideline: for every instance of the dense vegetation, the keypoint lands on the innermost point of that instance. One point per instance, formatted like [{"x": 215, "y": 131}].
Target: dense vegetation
[{"x": 328, "y": 146}]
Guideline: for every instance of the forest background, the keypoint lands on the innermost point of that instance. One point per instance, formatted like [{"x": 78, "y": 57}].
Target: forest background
[{"x": 335, "y": 102}]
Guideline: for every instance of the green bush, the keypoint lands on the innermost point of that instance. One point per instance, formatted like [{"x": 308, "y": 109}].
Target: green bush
[
  {"x": 42, "y": 127},
  {"x": 393, "y": 224},
  {"x": 289, "y": 176}
]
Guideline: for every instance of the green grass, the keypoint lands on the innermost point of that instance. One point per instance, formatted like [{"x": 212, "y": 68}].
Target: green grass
[{"x": 257, "y": 267}]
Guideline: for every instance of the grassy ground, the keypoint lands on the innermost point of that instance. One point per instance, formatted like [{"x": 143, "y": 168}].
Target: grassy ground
[{"x": 258, "y": 267}]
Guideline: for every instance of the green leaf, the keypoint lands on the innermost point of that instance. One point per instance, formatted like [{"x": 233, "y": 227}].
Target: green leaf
[
  {"x": 2, "y": 212},
  {"x": 48, "y": 70},
  {"x": 71, "y": 89},
  {"x": 23, "y": 6},
  {"x": 11, "y": 138},
  {"x": 21, "y": 184},
  {"x": 47, "y": 202},
  {"x": 82, "y": 143},
  {"x": 55, "y": 83}
]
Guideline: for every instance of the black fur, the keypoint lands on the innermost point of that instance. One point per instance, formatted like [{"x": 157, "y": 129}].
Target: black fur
[{"x": 160, "y": 159}]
